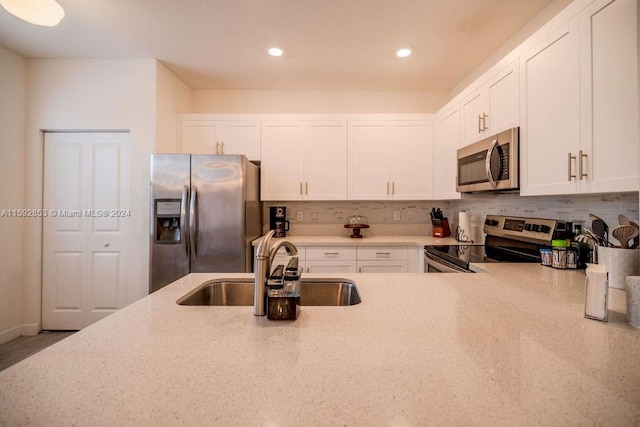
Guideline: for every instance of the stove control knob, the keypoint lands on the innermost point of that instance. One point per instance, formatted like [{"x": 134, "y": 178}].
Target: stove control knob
[
  {"x": 528, "y": 227},
  {"x": 491, "y": 222},
  {"x": 535, "y": 228},
  {"x": 545, "y": 228}
]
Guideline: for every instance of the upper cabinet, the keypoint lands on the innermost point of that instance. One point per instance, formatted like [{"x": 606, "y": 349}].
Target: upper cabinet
[
  {"x": 200, "y": 134},
  {"x": 609, "y": 97},
  {"x": 390, "y": 160},
  {"x": 448, "y": 137},
  {"x": 579, "y": 91},
  {"x": 550, "y": 113},
  {"x": 493, "y": 107},
  {"x": 304, "y": 160}
]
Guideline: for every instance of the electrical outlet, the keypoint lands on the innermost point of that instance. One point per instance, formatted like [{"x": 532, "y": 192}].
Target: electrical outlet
[
  {"x": 299, "y": 216},
  {"x": 396, "y": 215}
]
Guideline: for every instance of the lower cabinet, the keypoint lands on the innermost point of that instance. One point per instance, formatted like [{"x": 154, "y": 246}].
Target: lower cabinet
[
  {"x": 354, "y": 259},
  {"x": 382, "y": 259},
  {"x": 330, "y": 259}
]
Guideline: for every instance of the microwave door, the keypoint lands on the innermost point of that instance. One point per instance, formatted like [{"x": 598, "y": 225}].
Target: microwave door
[{"x": 492, "y": 163}]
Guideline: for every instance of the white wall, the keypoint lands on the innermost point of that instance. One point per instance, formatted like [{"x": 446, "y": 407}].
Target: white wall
[
  {"x": 316, "y": 102},
  {"x": 173, "y": 98},
  {"x": 13, "y": 113},
  {"x": 90, "y": 95}
]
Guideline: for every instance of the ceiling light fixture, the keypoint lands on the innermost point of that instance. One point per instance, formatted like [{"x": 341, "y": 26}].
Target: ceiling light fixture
[
  {"x": 404, "y": 52},
  {"x": 275, "y": 51},
  {"x": 46, "y": 13}
]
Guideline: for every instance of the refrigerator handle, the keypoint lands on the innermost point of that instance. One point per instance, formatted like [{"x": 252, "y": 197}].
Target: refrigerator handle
[
  {"x": 183, "y": 220},
  {"x": 193, "y": 222}
]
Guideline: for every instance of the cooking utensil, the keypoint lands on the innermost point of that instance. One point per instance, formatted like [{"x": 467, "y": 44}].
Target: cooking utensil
[
  {"x": 623, "y": 220},
  {"x": 623, "y": 234},
  {"x": 600, "y": 227}
]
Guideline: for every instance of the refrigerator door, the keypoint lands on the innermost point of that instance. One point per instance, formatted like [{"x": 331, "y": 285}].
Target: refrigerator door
[
  {"x": 217, "y": 213},
  {"x": 169, "y": 246}
]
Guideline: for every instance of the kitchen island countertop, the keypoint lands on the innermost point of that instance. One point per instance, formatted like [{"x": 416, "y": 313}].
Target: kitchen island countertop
[{"x": 506, "y": 347}]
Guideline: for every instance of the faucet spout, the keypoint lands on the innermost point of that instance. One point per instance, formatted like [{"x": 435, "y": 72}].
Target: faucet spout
[{"x": 265, "y": 254}]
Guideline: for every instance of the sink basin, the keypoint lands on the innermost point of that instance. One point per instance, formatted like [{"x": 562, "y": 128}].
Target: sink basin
[{"x": 240, "y": 292}]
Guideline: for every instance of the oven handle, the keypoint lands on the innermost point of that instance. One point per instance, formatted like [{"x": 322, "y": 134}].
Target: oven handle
[
  {"x": 442, "y": 267},
  {"x": 494, "y": 144}
]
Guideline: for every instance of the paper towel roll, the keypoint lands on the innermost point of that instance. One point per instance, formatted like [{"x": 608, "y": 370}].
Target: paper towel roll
[{"x": 464, "y": 233}]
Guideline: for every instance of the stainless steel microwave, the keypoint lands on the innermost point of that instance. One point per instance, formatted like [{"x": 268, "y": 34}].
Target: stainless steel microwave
[{"x": 490, "y": 164}]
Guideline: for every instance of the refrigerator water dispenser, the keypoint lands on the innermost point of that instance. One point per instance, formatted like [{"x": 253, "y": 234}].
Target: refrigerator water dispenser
[{"x": 167, "y": 221}]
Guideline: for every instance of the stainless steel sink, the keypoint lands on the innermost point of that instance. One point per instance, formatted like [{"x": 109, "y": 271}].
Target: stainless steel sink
[{"x": 240, "y": 292}]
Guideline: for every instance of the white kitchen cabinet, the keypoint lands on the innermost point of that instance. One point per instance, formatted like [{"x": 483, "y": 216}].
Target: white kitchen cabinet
[
  {"x": 446, "y": 143},
  {"x": 550, "y": 113},
  {"x": 390, "y": 160},
  {"x": 304, "y": 160},
  {"x": 493, "y": 107},
  {"x": 609, "y": 150},
  {"x": 382, "y": 259},
  {"x": 331, "y": 259},
  {"x": 579, "y": 129},
  {"x": 201, "y": 135}
]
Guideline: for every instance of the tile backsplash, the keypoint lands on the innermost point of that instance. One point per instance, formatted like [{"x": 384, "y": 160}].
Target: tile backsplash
[{"x": 328, "y": 218}]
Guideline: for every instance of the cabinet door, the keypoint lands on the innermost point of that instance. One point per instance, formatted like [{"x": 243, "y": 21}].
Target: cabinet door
[
  {"x": 325, "y": 161},
  {"x": 412, "y": 160},
  {"x": 281, "y": 165},
  {"x": 240, "y": 137},
  {"x": 368, "y": 161},
  {"x": 199, "y": 137},
  {"x": 503, "y": 100},
  {"x": 445, "y": 164},
  {"x": 610, "y": 97},
  {"x": 338, "y": 266},
  {"x": 395, "y": 266},
  {"x": 550, "y": 113},
  {"x": 474, "y": 106}
]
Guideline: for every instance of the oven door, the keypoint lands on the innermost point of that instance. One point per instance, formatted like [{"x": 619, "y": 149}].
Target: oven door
[{"x": 437, "y": 265}]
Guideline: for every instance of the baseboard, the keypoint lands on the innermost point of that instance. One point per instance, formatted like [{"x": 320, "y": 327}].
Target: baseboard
[
  {"x": 30, "y": 329},
  {"x": 10, "y": 334}
]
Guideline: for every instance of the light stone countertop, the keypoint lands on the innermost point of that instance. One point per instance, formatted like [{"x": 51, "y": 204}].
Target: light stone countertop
[
  {"x": 506, "y": 347},
  {"x": 368, "y": 241}
]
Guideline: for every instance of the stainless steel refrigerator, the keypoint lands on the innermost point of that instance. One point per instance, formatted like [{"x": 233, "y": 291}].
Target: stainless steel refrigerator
[{"x": 205, "y": 211}]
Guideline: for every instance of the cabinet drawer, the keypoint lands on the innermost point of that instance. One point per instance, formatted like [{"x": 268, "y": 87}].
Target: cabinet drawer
[
  {"x": 382, "y": 253},
  {"x": 331, "y": 253}
]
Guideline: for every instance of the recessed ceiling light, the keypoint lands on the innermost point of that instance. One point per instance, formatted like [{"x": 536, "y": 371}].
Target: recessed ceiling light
[
  {"x": 47, "y": 13},
  {"x": 275, "y": 51},
  {"x": 404, "y": 52}
]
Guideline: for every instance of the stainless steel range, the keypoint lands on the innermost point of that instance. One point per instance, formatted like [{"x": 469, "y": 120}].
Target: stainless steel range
[{"x": 508, "y": 239}]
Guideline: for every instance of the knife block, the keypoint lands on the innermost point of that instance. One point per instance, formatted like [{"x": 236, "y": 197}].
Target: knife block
[{"x": 441, "y": 228}]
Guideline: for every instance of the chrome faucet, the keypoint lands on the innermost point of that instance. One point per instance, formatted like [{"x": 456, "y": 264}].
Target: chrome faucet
[{"x": 262, "y": 268}]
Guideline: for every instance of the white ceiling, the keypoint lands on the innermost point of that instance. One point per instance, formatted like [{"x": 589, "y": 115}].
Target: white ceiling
[{"x": 330, "y": 44}]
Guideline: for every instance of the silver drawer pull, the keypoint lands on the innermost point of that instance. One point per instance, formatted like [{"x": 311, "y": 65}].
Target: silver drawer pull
[
  {"x": 332, "y": 253},
  {"x": 383, "y": 253}
]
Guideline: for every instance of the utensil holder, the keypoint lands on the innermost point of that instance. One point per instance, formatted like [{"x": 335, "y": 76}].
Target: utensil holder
[
  {"x": 619, "y": 263},
  {"x": 633, "y": 300}
]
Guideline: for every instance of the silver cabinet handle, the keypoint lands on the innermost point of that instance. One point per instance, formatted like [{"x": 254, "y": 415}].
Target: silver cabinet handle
[
  {"x": 484, "y": 121},
  {"x": 387, "y": 187},
  {"x": 222, "y": 144},
  {"x": 581, "y": 155},
  {"x": 301, "y": 188},
  {"x": 393, "y": 187},
  {"x": 383, "y": 253},
  {"x": 331, "y": 253},
  {"x": 183, "y": 220},
  {"x": 487, "y": 164},
  {"x": 479, "y": 123},
  {"x": 217, "y": 147},
  {"x": 359, "y": 269},
  {"x": 570, "y": 176},
  {"x": 306, "y": 187}
]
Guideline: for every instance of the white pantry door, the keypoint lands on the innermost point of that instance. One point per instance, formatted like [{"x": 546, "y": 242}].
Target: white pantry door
[{"x": 85, "y": 227}]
